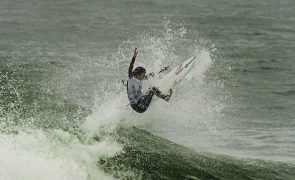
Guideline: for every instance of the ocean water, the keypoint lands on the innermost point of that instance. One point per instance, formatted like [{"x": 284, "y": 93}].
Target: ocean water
[{"x": 62, "y": 100}]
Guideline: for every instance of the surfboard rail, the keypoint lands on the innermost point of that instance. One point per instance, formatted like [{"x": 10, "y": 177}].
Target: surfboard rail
[{"x": 176, "y": 75}]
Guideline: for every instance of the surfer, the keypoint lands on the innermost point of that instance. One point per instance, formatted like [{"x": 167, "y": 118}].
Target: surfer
[{"x": 138, "y": 101}]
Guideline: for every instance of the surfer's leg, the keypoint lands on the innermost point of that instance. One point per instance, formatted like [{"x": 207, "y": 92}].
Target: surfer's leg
[
  {"x": 158, "y": 93},
  {"x": 144, "y": 102},
  {"x": 147, "y": 98},
  {"x": 138, "y": 108}
]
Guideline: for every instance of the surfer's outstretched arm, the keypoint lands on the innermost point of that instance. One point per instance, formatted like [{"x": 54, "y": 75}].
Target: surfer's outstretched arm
[
  {"x": 163, "y": 69},
  {"x": 149, "y": 75},
  {"x": 132, "y": 63},
  {"x": 152, "y": 74}
]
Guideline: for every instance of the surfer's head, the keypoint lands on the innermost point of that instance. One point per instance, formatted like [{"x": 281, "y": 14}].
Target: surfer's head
[{"x": 139, "y": 73}]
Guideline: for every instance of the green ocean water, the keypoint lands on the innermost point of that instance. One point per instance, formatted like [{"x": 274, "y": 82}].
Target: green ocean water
[{"x": 61, "y": 66}]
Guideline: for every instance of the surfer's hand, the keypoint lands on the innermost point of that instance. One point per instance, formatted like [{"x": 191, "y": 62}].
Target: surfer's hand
[
  {"x": 135, "y": 52},
  {"x": 151, "y": 74},
  {"x": 164, "y": 69}
]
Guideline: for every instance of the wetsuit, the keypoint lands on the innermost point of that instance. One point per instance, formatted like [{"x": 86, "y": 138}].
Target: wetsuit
[{"x": 138, "y": 101}]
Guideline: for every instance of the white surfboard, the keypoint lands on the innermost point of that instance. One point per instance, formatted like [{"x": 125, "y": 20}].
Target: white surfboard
[{"x": 176, "y": 75}]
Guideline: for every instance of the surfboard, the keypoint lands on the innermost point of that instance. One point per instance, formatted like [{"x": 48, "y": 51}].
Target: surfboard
[{"x": 176, "y": 75}]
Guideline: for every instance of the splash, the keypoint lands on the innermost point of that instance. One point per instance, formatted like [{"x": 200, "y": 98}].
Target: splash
[
  {"x": 52, "y": 155},
  {"x": 58, "y": 154},
  {"x": 195, "y": 104},
  {"x": 107, "y": 116}
]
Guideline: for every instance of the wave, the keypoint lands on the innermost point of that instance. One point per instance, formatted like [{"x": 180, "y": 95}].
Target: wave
[
  {"x": 52, "y": 154},
  {"x": 65, "y": 154},
  {"x": 285, "y": 93},
  {"x": 146, "y": 156}
]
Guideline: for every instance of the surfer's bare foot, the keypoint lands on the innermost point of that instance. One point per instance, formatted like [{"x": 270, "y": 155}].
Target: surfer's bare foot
[{"x": 168, "y": 95}]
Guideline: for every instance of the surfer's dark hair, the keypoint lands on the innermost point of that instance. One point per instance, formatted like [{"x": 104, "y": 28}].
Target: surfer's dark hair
[{"x": 138, "y": 71}]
